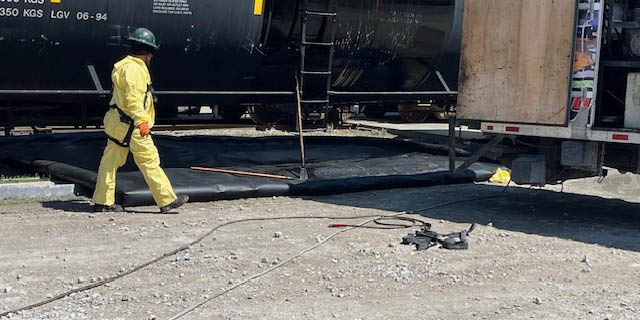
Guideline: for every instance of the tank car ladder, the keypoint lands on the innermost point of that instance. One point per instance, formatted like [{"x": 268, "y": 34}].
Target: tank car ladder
[{"x": 323, "y": 99}]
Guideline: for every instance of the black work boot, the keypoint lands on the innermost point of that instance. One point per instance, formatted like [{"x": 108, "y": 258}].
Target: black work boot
[
  {"x": 175, "y": 204},
  {"x": 111, "y": 208}
]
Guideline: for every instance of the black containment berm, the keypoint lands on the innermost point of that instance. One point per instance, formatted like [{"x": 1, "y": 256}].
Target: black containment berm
[{"x": 335, "y": 165}]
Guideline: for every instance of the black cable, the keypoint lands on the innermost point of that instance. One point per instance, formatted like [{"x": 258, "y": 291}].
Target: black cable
[
  {"x": 168, "y": 254},
  {"x": 386, "y": 225}
]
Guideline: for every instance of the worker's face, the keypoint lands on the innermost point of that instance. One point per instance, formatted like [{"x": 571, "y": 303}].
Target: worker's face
[{"x": 147, "y": 58}]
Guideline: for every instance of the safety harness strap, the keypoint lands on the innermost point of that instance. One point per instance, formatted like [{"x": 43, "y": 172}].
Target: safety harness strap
[
  {"x": 128, "y": 120},
  {"x": 125, "y": 119}
]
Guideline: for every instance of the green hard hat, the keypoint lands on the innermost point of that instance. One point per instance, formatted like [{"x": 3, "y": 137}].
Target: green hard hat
[{"x": 144, "y": 36}]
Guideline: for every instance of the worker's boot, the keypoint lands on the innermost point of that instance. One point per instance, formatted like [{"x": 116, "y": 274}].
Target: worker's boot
[
  {"x": 111, "y": 208},
  {"x": 175, "y": 204}
]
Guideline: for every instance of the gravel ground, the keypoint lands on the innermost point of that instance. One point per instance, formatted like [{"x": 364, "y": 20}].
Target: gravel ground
[
  {"x": 537, "y": 253},
  {"x": 244, "y": 132}
]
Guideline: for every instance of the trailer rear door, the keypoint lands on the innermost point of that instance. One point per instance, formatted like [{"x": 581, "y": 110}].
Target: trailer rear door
[{"x": 516, "y": 61}]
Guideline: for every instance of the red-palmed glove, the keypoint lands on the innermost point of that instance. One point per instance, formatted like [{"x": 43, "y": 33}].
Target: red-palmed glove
[{"x": 144, "y": 129}]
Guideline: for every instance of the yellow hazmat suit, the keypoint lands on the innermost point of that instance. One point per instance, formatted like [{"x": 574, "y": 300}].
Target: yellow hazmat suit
[{"x": 133, "y": 98}]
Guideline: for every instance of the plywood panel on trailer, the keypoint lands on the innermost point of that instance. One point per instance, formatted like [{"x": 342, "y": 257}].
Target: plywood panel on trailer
[{"x": 516, "y": 60}]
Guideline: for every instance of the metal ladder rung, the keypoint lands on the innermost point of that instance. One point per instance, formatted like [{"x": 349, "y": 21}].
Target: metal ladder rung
[
  {"x": 314, "y": 101},
  {"x": 320, "y": 13},
  {"x": 309, "y": 43},
  {"x": 318, "y": 73}
]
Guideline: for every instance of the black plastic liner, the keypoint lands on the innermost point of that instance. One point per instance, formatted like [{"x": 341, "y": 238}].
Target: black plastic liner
[{"x": 335, "y": 165}]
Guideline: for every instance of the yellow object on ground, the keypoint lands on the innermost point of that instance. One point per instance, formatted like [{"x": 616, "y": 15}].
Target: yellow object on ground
[
  {"x": 501, "y": 176},
  {"x": 131, "y": 81}
]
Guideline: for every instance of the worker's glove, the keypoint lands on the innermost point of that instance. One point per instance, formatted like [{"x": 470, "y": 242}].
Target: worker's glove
[{"x": 144, "y": 129}]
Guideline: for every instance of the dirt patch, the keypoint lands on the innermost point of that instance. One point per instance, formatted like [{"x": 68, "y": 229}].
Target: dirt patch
[{"x": 538, "y": 253}]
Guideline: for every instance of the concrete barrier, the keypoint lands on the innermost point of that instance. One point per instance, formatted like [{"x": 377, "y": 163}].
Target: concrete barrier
[{"x": 28, "y": 190}]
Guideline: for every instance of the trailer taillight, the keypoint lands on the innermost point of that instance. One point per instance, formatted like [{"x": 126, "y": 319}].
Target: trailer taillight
[
  {"x": 618, "y": 136},
  {"x": 512, "y": 129}
]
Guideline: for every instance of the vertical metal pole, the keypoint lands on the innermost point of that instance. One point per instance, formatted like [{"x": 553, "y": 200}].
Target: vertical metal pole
[
  {"x": 452, "y": 143},
  {"x": 303, "y": 169}
]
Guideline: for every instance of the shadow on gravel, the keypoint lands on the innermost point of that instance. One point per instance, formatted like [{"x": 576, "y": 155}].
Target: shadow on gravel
[
  {"x": 589, "y": 219},
  {"x": 85, "y": 207},
  {"x": 69, "y": 206}
]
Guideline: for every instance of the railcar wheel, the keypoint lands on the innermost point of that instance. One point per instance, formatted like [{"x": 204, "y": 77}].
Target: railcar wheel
[
  {"x": 414, "y": 113},
  {"x": 373, "y": 111},
  {"x": 339, "y": 115},
  {"x": 265, "y": 114},
  {"x": 232, "y": 113},
  {"x": 441, "y": 115}
]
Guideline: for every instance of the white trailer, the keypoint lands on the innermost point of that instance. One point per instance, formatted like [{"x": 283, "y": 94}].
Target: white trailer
[{"x": 559, "y": 77}]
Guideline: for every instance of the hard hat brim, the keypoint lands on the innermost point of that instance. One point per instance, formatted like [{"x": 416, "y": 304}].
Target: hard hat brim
[{"x": 152, "y": 46}]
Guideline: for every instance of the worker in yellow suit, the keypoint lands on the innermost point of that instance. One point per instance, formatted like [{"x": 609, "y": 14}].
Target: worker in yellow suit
[{"x": 128, "y": 126}]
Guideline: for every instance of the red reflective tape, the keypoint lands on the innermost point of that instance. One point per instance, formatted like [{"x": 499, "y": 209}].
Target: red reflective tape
[
  {"x": 575, "y": 104},
  {"x": 618, "y": 136},
  {"x": 512, "y": 129},
  {"x": 489, "y": 127}
]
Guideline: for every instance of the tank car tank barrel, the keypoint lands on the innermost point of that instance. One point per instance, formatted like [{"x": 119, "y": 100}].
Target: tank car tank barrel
[
  {"x": 228, "y": 51},
  {"x": 214, "y": 47}
]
